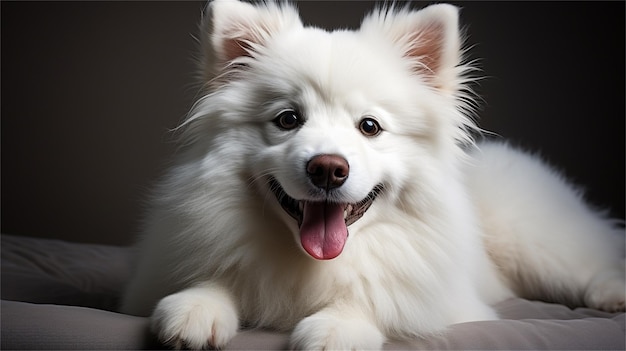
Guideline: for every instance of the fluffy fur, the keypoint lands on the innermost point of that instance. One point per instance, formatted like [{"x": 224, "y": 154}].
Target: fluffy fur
[{"x": 451, "y": 228}]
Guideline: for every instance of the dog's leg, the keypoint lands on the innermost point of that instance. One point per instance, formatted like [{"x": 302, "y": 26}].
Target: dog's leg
[
  {"x": 198, "y": 317},
  {"x": 606, "y": 291},
  {"x": 546, "y": 240},
  {"x": 336, "y": 328}
]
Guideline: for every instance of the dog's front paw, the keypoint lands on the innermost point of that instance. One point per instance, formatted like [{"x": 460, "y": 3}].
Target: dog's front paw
[
  {"x": 324, "y": 331},
  {"x": 196, "y": 318}
]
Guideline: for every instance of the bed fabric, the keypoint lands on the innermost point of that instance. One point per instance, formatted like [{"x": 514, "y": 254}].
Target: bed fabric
[{"x": 62, "y": 295}]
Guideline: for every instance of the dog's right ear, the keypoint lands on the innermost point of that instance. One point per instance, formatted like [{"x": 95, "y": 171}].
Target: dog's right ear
[{"x": 233, "y": 29}]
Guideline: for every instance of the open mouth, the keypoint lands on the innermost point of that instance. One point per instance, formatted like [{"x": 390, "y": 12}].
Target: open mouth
[{"x": 323, "y": 225}]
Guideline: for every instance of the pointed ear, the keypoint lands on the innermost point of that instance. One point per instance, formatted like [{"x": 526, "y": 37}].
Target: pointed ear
[
  {"x": 429, "y": 38},
  {"x": 232, "y": 29}
]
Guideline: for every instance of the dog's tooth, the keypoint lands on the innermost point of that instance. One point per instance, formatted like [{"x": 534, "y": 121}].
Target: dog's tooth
[
  {"x": 300, "y": 206},
  {"x": 347, "y": 211}
]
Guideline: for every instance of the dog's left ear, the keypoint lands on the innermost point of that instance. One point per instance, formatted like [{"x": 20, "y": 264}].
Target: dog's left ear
[
  {"x": 429, "y": 38},
  {"x": 232, "y": 29}
]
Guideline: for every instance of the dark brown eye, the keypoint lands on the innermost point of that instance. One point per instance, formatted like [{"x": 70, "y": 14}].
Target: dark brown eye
[
  {"x": 288, "y": 120},
  {"x": 369, "y": 127}
]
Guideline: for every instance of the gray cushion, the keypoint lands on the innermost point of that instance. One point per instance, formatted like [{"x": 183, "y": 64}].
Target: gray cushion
[{"x": 61, "y": 295}]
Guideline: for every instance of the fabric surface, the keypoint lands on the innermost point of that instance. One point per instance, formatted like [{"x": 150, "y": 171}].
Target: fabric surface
[
  {"x": 61, "y": 295},
  {"x": 28, "y": 326},
  {"x": 59, "y": 272}
]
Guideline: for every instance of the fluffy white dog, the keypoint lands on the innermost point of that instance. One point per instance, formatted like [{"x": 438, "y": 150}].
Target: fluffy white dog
[{"x": 328, "y": 185}]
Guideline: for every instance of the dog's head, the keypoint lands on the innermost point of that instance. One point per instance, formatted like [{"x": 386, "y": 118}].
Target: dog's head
[{"x": 332, "y": 123}]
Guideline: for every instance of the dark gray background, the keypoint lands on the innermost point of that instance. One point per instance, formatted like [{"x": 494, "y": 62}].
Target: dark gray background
[{"x": 90, "y": 89}]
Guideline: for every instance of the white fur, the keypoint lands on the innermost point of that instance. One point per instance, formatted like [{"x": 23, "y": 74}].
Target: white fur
[
  {"x": 184, "y": 318},
  {"x": 538, "y": 228},
  {"x": 451, "y": 233}
]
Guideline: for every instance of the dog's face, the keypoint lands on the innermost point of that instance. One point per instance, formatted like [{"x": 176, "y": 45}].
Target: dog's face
[{"x": 334, "y": 122}]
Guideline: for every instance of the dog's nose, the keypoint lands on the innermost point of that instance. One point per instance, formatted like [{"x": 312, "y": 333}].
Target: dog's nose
[{"x": 328, "y": 171}]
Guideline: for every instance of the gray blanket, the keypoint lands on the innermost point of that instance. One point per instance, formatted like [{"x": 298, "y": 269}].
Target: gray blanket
[{"x": 61, "y": 295}]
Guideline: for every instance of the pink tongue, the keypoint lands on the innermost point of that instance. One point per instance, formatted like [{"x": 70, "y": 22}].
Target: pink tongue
[{"x": 323, "y": 231}]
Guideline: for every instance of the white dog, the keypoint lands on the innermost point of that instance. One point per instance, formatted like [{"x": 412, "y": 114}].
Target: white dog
[{"x": 328, "y": 185}]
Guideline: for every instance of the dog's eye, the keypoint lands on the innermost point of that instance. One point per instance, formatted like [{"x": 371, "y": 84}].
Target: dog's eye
[
  {"x": 288, "y": 120},
  {"x": 369, "y": 127}
]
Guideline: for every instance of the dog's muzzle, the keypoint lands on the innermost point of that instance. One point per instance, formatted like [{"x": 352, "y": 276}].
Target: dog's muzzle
[{"x": 323, "y": 224}]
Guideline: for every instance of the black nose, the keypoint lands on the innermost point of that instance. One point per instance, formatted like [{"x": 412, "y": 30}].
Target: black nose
[{"x": 328, "y": 171}]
